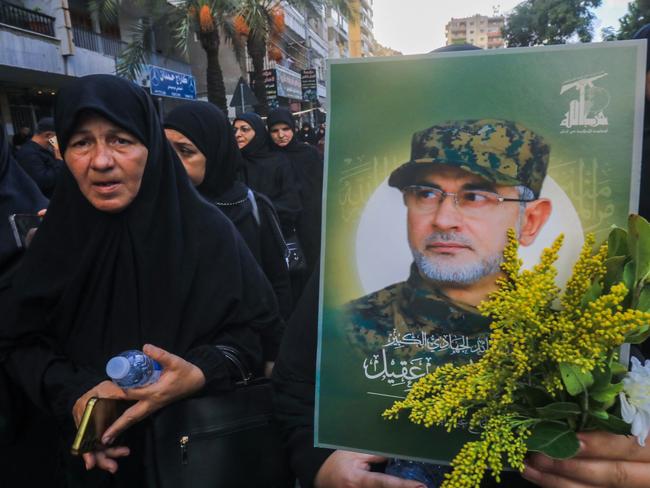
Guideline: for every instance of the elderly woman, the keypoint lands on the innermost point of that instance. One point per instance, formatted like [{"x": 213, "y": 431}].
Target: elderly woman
[
  {"x": 128, "y": 255},
  {"x": 267, "y": 172},
  {"x": 202, "y": 137}
]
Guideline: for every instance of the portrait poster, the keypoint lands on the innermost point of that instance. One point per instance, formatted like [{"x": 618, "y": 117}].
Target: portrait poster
[{"x": 585, "y": 101}]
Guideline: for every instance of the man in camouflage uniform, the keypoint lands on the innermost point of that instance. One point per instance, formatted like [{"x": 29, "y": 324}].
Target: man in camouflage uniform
[{"x": 466, "y": 184}]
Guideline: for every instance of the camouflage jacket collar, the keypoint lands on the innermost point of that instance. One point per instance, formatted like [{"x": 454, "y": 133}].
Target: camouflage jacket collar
[{"x": 421, "y": 288}]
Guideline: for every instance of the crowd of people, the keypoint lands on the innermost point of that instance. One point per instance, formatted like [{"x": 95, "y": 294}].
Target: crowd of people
[{"x": 175, "y": 236}]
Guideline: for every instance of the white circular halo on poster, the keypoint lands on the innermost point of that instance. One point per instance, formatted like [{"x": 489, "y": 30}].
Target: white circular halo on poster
[{"x": 383, "y": 256}]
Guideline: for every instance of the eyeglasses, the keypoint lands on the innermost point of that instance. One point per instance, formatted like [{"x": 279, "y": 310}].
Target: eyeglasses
[
  {"x": 242, "y": 129},
  {"x": 426, "y": 199}
]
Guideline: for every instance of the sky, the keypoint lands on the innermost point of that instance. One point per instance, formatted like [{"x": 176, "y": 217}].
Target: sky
[{"x": 418, "y": 26}]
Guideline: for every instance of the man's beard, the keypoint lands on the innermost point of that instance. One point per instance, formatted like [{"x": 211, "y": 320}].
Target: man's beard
[{"x": 438, "y": 270}]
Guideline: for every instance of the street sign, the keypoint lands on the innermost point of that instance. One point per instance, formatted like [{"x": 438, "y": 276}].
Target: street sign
[
  {"x": 309, "y": 85},
  {"x": 167, "y": 83},
  {"x": 270, "y": 83},
  {"x": 243, "y": 95}
]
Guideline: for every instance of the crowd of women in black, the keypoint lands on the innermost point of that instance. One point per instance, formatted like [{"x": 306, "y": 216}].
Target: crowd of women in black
[{"x": 175, "y": 238}]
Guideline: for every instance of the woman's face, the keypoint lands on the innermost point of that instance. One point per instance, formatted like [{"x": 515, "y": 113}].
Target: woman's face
[
  {"x": 281, "y": 134},
  {"x": 107, "y": 162},
  {"x": 193, "y": 159},
  {"x": 244, "y": 133}
]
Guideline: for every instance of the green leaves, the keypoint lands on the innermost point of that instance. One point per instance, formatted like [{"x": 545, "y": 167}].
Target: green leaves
[
  {"x": 608, "y": 393},
  {"x": 628, "y": 261},
  {"x": 575, "y": 380},
  {"x": 610, "y": 423},
  {"x": 639, "y": 335},
  {"x": 617, "y": 243},
  {"x": 639, "y": 244},
  {"x": 592, "y": 293},
  {"x": 614, "y": 270},
  {"x": 558, "y": 410},
  {"x": 555, "y": 439},
  {"x": 644, "y": 299}
]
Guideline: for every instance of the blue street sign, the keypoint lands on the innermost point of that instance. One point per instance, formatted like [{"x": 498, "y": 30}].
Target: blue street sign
[{"x": 167, "y": 83}]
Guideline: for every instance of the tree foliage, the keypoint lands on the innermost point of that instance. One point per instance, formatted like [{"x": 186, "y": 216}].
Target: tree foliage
[
  {"x": 537, "y": 22},
  {"x": 638, "y": 14},
  {"x": 244, "y": 24}
]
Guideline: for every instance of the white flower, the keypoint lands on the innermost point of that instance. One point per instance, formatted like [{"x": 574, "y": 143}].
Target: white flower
[{"x": 635, "y": 399}]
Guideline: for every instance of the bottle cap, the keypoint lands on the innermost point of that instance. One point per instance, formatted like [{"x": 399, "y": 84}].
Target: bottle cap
[{"x": 118, "y": 367}]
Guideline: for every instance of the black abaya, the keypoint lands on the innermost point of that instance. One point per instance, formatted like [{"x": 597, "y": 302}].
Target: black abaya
[
  {"x": 254, "y": 217},
  {"x": 170, "y": 270},
  {"x": 18, "y": 194},
  {"x": 307, "y": 166},
  {"x": 270, "y": 174}
]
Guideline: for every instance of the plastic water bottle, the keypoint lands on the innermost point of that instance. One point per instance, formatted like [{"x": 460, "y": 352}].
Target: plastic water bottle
[
  {"x": 431, "y": 475},
  {"x": 131, "y": 369}
]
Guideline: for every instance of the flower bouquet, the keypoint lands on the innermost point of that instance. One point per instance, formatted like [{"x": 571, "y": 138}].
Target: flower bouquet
[{"x": 555, "y": 365}]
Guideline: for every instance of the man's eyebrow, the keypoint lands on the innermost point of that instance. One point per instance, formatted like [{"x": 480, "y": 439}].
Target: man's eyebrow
[
  {"x": 480, "y": 185},
  {"x": 427, "y": 184}
]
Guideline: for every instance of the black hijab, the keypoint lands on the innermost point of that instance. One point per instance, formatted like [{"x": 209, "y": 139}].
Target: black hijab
[
  {"x": 307, "y": 166},
  {"x": 258, "y": 147},
  {"x": 18, "y": 194},
  {"x": 270, "y": 173},
  {"x": 170, "y": 269},
  {"x": 209, "y": 130}
]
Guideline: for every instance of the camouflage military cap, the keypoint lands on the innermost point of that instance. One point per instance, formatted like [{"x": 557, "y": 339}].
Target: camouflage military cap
[{"x": 501, "y": 151}]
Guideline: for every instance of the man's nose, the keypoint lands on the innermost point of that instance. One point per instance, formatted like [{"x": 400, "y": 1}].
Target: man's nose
[
  {"x": 102, "y": 158},
  {"x": 447, "y": 215}
]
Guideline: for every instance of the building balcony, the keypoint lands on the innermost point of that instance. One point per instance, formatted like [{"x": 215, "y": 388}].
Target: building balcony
[
  {"x": 26, "y": 19},
  {"x": 294, "y": 20},
  {"x": 96, "y": 42},
  {"x": 318, "y": 44},
  {"x": 341, "y": 29},
  {"x": 98, "y": 53}
]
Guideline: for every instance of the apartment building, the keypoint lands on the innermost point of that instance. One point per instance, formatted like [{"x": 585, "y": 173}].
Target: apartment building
[
  {"x": 479, "y": 30},
  {"x": 360, "y": 28},
  {"x": 47, "y": 42}
]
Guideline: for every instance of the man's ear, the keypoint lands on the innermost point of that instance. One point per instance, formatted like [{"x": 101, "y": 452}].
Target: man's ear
[{"x": 535, "y": 216}]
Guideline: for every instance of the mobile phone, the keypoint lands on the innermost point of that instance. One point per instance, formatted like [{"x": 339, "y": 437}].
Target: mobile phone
[
  {"x": 53, "y": 142},
  {"x": 22, "y": 225},
  {"x": 98, "y": 416}
]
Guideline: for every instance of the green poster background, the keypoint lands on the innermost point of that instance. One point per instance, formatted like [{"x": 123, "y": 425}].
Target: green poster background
[{"x": 375, "y": 107}]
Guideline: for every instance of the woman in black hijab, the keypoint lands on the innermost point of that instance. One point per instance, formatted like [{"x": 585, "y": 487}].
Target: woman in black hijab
[
  {"x": 266, "y": 172},
  {"x": 204, "y": 141},
  {"x": 307, "y": 166},
  {"x": 18, "y": 195},
  {"x": 128, "y": 254}
]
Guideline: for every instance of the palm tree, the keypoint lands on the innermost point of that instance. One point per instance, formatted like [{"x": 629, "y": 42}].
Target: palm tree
[
  {"x": 261, "y": 22},
  {"x": 208, "y": 19}
]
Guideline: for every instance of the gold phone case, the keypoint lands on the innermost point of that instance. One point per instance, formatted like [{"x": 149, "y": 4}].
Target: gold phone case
[
  {"x": 82, "y": 442},
  {"x": 98, "y": 416}
]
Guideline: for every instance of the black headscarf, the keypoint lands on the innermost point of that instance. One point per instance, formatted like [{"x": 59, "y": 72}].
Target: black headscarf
[
  {"x": 258, "y": 147},
  {"x": 170, "y": 269},
  {"x": 307, "y": 166},
  {"x": 270, "y": 173},
  {"x": 18, "y": 194},
  {"x": 209, "y": 130}
]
